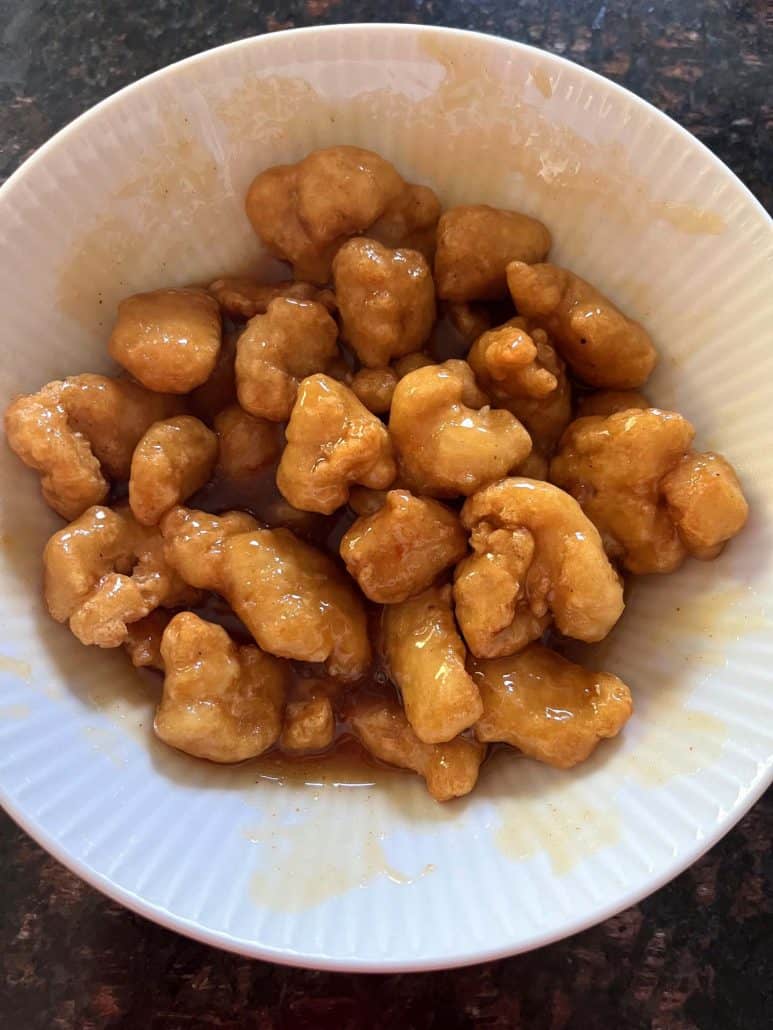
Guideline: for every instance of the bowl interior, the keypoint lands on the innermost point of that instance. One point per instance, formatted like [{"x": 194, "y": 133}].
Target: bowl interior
[{"x": 347, "y": 872}]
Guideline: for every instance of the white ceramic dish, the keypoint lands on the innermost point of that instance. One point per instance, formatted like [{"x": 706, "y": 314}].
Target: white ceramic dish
[{"x": 146, "y": 189}]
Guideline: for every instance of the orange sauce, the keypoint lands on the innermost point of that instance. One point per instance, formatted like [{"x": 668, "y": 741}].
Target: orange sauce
[{"x": 345, "y": 764}]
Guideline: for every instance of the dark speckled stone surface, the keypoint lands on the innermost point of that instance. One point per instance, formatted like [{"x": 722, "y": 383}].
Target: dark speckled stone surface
[{"x": 697, "y": 955}]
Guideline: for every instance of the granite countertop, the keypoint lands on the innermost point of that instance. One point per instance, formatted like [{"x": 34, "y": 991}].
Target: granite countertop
[{"x": 698, "y": 953}]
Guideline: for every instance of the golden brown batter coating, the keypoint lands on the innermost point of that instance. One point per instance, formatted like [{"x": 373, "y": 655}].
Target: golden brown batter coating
[
  {"x": 304, "y": 212},
  {"x": 296, "y": 602},
  {"x": 536, "y": 554},
  {"x": 105, "y": 571},
  {"x": 80, "y": 432},
  {"x": 386, "y": 300},
  {"x": 113, "y": 415},
  {"x": 173, "y": 460},
  {"x": 403, "y": 547},
  {"x": 705, "y": 502},
  {"x": 599, "y": 343},
  {"x": 426, "y": 659},
  {"x": 333, "y": 441},
  {"x": 520, "y": 371},
  {"x": 294, "y": 339},
  {"x": 449, "y": 769},
  {"x": 272, "y": 208},
  {"x": 245, "y": 298},
  {"x": 447, "y": 439},
  {"x": 506, "y": 362},
  {"x": 374, "y": 387},
  {"x": 39, "y": 432},
  {"x": 169, "y": 340},
  {"x": 549, "y": 708},
  {"x": 493, "y": 607},
  {"x": 245, "y": 444},
  {"x": 476, "y": 243},
  {"x": 652, "y": 499},
  {"x": 614, "y": 466},
  {"x": 410, "y": 220},
  {"x": 309, "y": 725},
  {"x": 293, "y": 599},
  {"x": 220, "y": 701},
  {"x": 195, "y": 543},
  {"x": 341, "y": 190}
]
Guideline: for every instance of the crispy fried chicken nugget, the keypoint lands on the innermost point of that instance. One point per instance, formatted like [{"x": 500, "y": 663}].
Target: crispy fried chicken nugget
[
  {"x": 410, "y": 220},
  {"x": 79, "y": 433},
  {"x": 493, "y": 606},
  {"x": 448, "y": 440},
  {"x": 195, "y": 544},
  {"x": 599, "y": 343},
  {"x": 548, "y": 707},
  {"x": 507, "y": 362},
  {"x": 245, "y": 298},
  {"x": 294, "y": 339},
  {"x": 309, "y": 725},
  {"x": 220, "y": 701},
  {"x": 521, "y": 371},
  {"x": 272, "y": 208},
  {"x": 705, "y": 503},
  {"x": 342, "y": 190},
  {"x": 476, "y": 243},
  {"x": 333, "y": 441},
  {"x": 402, "y": 548},
  {"x": 304, "y": 212},
  {"x": 386, "y": 300},
  {"x": 450, "y": 769},
  {"x": 105, "y": 571},
  {"x": 613, "y": 466},
  {"x": 39, "y": 432},
  {"x": 169, "y": 340},
  {"x": 113, "y": 415},
  {"x": 426, "y": 657},
  {"x": 375, "y": 387},
  {"x": 173, "y": 460},
  {"x": 292, "y": 598},
  {"x": 535, "y": 554},
  {"x": 651, "y": 497}
]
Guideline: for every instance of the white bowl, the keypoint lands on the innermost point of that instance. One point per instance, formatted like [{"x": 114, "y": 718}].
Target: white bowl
[{"x": 145, "y": 190}]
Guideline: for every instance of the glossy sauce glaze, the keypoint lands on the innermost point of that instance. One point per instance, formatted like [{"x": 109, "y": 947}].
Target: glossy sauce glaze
[{"x": 345, "y": 762}]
